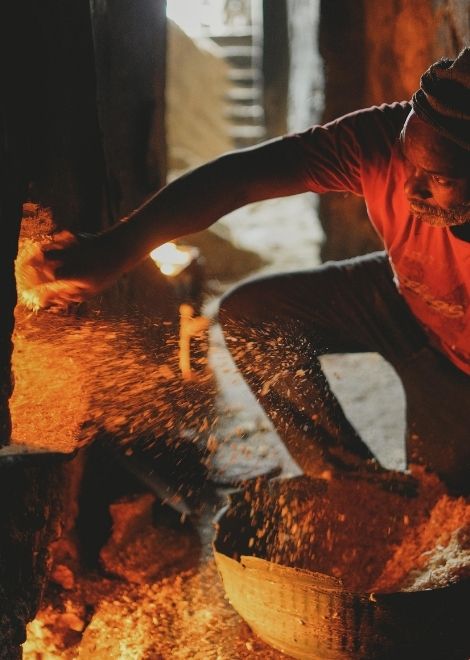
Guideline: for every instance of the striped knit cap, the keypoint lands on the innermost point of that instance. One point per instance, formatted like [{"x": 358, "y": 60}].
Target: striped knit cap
[{"x": 443, "y": 99}]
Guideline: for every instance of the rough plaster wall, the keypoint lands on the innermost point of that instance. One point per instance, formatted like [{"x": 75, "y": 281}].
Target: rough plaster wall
[
  {"x": 197, "y": 80},
  {"x": 375, "y": 52},
  {"x": 398, "y": 48}
]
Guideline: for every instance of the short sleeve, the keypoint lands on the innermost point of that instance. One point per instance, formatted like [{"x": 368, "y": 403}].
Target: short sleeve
[{"x": 335, "y": 156}]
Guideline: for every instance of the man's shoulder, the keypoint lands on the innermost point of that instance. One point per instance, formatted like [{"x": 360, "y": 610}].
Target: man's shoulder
[
  {"x": 395, "y": 112},
  {"x": 335, "y": 156},
  {"x": 374, "y": 131},
  {"x": 386, "y": 119}
]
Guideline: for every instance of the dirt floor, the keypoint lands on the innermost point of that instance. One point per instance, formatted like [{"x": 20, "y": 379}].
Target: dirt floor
[{"x": 152, "y": 604}]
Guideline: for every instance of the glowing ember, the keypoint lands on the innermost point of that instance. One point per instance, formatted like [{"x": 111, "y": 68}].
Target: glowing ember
[{"x": 172, "y": 259}]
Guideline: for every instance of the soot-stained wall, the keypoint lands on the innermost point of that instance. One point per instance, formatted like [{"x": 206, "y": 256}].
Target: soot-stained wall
[
  {"x": 89, "y": 163},
  {"x": 82, "y": 100}
]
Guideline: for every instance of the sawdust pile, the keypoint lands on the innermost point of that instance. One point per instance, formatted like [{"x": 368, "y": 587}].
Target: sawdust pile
[
  {"x": 140, "y": 556},
  {"x": 435, "y": 554},
  {"x": 179, "y": 616}
]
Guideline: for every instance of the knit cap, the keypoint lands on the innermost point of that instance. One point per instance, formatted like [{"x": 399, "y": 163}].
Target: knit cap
[{"x": 443, "y": 99}]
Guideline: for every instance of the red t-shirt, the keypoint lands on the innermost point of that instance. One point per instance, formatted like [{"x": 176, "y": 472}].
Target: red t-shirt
[{"x": 360, "y": 153}]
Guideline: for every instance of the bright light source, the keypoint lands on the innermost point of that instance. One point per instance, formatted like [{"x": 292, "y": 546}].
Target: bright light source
[
  {"x": 196, "y": 16},
  {"x": 172, "y": 259},
  {"x": 185, "y": 14}
]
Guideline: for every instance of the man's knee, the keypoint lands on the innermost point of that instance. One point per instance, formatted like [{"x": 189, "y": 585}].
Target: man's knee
[{"x": 244, "y": 303}]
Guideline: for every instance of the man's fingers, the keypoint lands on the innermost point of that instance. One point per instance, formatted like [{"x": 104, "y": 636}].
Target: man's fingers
[
  {"x": 53, "y": 254},
  {"x": 62, "y": 244}
]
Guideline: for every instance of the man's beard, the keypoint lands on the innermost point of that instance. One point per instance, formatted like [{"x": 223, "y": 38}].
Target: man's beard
[{"x": 437, "y": 217}]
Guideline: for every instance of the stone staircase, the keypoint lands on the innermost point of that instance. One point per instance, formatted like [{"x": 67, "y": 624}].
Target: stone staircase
[{"x": 242, "y": 50}]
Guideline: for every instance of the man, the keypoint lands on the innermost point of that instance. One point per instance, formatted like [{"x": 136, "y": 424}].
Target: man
[{"x": 411, "y": 162}]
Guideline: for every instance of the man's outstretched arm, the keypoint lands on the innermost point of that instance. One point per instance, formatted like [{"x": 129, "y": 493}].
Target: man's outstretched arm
[
  {"x": 197, "y": 199},
  {"x": 188, "y": 204}
]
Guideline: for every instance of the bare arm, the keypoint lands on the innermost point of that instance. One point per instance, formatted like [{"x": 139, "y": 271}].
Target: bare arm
[
  {"x": 73, "y": 270},
  {"x": 197, "y": 199}
]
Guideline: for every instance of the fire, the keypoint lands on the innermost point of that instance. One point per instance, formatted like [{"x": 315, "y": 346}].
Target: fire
[{"x": 172, "y": 259}]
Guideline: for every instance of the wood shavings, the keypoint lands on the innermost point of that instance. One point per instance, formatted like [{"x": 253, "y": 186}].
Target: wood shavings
[
  {"x": 434, "y": 554},
  {"x": 184, "y": 616},
  {"x": 78, "y": 377},
  {"x": 49, "y": 401},
  {"x": 136, "y": 550}
]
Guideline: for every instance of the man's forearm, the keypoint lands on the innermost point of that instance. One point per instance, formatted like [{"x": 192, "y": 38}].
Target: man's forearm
[{"x": 72, "y": 269}]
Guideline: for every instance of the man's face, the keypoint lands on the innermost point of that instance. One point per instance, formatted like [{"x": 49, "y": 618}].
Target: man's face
[{"x": 438, "y": 181}]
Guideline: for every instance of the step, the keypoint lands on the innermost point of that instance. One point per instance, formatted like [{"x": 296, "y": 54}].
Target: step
[
  {"x": 248, "y": 95},
  {"x": 245, "y": 121},
  {"x": 241, "y": 55},
  {"x": 243, "y": 143},
  {"x": 245, "y": 112},
  {"x": 242, "y": 38},
  {"x": 247, "y": 132},
  {"x": 232, "y": 31},
  {"x": 245, "y": 77}
]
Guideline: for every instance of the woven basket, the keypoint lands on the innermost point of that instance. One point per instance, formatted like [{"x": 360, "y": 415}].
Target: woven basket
[{"x": 311, "y": 614}]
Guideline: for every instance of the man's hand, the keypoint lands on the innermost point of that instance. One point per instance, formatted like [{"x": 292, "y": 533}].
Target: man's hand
[{"x": 70, "y": 268}]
